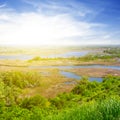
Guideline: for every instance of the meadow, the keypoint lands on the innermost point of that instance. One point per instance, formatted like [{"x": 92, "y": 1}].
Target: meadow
[{"x": 34, "y": 88}]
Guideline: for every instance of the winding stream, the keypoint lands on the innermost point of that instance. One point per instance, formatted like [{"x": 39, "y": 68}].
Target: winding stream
[
  {"x": 27, "y": 57},
  {"x": 64, "y": 73},
  {"x": 79, "y": 66},
  {"x": 74, "y": 76}
]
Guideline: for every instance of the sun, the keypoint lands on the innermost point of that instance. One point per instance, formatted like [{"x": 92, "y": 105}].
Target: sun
[{"x": 35, "y": 29}]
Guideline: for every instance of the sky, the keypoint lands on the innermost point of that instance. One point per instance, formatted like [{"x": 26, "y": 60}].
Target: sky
[{"x": 59, "y": 22}]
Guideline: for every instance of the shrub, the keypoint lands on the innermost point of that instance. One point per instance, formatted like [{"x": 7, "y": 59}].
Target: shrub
[
  {"x": 34, "y": 101},
  {"x": 20, "y": 79}
]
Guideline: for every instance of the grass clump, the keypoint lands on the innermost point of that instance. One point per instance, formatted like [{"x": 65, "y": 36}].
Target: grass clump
[
  {"x": 108, "y": 109},
  {"x": 21, "y": 79}
]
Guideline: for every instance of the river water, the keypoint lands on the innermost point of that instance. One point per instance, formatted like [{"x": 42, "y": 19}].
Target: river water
[
  {"x": 79, "y": 66},
  {"x": 64, "y": 55},
  {"x": 74, "y": 76},
  {"x": 27, "y": 57}
]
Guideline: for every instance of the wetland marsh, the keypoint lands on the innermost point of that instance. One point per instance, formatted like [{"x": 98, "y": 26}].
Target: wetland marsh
[{"x": 56, "y": 75}]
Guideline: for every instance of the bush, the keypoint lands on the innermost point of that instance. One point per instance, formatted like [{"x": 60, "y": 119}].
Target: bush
[
  {"x": 20, "y": 79},
  {"x": 34, "y": 101}
]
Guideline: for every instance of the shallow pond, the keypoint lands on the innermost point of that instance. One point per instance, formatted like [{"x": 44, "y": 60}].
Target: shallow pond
[{"x": 74, "y": 76}]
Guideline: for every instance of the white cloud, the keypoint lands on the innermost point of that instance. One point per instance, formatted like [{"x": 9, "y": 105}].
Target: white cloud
[
  {"x": 2, "y": 5},
  {"x": 56, "y": 7},
  {"x": 37, "y": 28}
]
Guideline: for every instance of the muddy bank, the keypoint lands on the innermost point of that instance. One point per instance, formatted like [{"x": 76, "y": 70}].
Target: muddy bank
[
  {"x": 70, "y": 62},
  {"x": 58, "y": 62},
  {"x": 94, "y": 72}
]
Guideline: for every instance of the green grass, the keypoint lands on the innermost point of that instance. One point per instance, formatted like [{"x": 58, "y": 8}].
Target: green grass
[
  {"x": 106, "y": 110},
  {"x": 86, "y": 58},
  {"x": 87, "y": 101}
]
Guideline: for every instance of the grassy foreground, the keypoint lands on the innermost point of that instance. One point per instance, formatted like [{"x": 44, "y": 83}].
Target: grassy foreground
[
  {"x": 106, "y": 110},
  {"x": 87, "y": 101}
]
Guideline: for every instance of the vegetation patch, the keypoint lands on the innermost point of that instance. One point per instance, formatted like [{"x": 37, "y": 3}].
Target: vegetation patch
[{"x": 87, "y": 100}]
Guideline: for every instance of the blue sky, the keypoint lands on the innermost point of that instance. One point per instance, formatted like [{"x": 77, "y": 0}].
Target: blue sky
[{"x": 65, "y": 22}]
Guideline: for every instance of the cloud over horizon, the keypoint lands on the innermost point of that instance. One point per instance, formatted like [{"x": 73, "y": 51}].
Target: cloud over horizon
[{"x": 53, "y": 23}]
